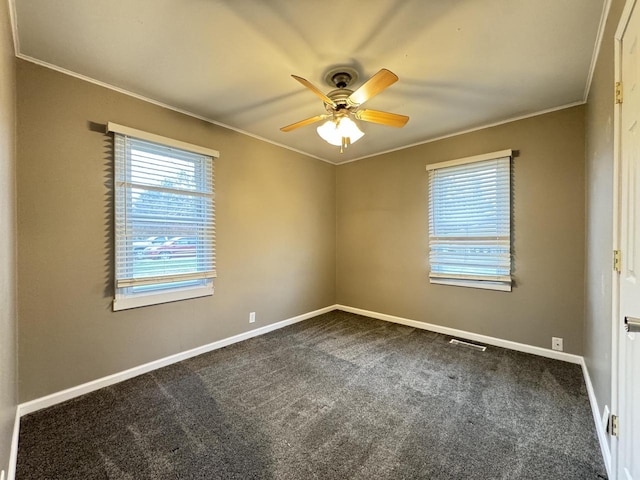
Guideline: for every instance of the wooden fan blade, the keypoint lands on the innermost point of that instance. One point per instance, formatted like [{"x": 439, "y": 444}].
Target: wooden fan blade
[
  {"x": 314, "y": 89},
  {"x": 302, "y": 123},
  {"x": 373, "y": 86},
  {"x": 383, "y": 118}
]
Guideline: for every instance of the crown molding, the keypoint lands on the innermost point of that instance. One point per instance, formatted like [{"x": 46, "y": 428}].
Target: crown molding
[
  {"x": 85, "y": 78},
  {"x": 471, "y": 130},
  {"x": 13, "y": 19},
  {"x": 596, "y": 48}
]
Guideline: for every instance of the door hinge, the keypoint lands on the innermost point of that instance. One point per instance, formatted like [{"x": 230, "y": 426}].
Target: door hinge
[
  {"x": 617, "y": 264},
  {"x": 618, "y": 92},
  {"x": 612, "y": 426}
]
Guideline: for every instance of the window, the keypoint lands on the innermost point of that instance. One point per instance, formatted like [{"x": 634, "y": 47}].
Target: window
[
  {"x": 470, "y": 221},
  {"x": 164, "y": 219}
]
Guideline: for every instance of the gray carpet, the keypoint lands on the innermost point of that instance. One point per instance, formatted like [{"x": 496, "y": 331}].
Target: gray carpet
[{"x": 339, "y": 396}]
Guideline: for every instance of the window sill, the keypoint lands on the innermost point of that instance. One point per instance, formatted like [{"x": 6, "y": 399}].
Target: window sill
[
  {"x": 144, "y": 300},
  {"x": 482, "y": 284}
]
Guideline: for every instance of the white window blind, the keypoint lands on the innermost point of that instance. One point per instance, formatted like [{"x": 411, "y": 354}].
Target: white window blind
[
  {"x": 470, "y": 221},
  {"x": 164, "y": 222}
]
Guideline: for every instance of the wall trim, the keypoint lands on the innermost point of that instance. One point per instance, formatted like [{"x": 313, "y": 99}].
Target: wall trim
[
  {"x": 257, "y": 137},
  {"x": 470, "y": 130},
  {"x": 596, "y": 48},
  {"x": 73, "y": 392},
  {"x": 595, "y": 410},
  {"x": 85, "y": 78},
  {"x": 13, "y": 453},
  {"x": 521, "y": 347},
  {"x": 498, "y": 342},
  {"x": 13, "y": 18}
]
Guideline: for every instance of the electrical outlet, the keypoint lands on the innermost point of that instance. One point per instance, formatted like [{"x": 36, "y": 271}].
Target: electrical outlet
[
  {"x": 556, "y": 343},
  {"x": 252, "y": 317}
]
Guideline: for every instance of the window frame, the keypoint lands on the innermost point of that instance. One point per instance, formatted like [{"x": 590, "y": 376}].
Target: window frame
[
  {"x": 471, "y": 280},
  {"x": 124, "y": 297}
]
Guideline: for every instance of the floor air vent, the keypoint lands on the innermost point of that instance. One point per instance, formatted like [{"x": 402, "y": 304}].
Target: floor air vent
[{"x": 473, "y": 346}]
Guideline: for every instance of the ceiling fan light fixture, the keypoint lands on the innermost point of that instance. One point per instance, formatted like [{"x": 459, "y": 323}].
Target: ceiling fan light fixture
[
  {"x": 343, "y": 106},
  {"x": 334, "y": 130}
]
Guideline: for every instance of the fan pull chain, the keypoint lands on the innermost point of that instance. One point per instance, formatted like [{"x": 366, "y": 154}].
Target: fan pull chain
[{"x": 346, "y": 141}]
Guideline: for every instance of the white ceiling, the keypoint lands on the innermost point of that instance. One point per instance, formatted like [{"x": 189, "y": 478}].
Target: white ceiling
[{"x": 462, "y": 64}]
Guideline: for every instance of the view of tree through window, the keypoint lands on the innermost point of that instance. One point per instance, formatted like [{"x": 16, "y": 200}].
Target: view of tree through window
[
  {"x": 164, "y": 217},
  {"x": 163, "y": 209}
]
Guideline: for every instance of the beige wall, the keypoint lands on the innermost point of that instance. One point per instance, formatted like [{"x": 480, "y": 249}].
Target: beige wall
[
  {"x": 8, "y": 395},
  {"x": 599, "y": 213},
  {"x": 275, "y": 224},
  {"x": 382, "y": 234},
  {"x": 294, "y": 235}
]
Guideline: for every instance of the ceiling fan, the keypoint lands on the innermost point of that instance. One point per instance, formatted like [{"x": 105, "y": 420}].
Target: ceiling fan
[{"x": 343, "y": 106}]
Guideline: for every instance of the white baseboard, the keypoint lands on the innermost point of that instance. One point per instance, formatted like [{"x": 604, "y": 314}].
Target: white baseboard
[
  {"x": 13, "y": 454},
  {"x": 521, "y": 347},
  {"x": 498, "y": 342},
  {"x": 600, "y": 429},
  {"x": 73, "y": 392},
  {"x": 62, "y": 396}
]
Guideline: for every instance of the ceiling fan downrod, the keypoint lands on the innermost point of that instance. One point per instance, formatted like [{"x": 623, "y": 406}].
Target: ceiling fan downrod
[{"x": 341, "y": 79}]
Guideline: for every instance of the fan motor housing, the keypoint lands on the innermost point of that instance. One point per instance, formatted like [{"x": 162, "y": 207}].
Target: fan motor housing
[{"x": 340, "y": 98}]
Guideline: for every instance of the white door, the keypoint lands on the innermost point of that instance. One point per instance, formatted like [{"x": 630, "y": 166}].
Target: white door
[{"x": 629, "y": 345}]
